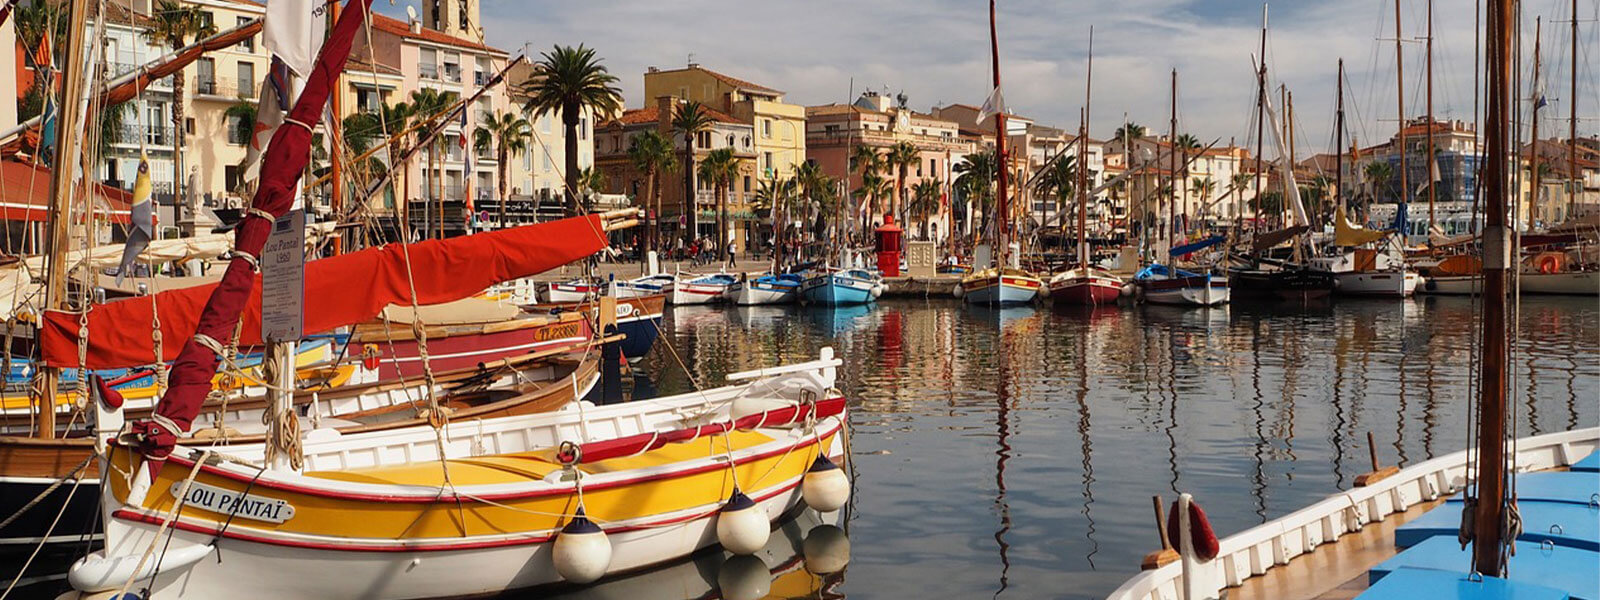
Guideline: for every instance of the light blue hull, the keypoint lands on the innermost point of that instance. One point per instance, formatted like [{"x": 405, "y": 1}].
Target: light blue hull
[{"x": 838, "y": 293}]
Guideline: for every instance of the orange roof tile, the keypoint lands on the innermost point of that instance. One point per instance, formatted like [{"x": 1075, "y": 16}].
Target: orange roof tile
[
  {"x": 739, "y": 83},
  {"x": 401, "y": 28},
  {"x": 652, "y": 114}
]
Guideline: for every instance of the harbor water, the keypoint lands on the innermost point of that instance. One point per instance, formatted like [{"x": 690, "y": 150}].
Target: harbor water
[{"x": 1014, "y": 453}]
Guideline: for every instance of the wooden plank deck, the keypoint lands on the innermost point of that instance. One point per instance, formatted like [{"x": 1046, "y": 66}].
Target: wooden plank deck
[{"x": 1335, "y": 571}]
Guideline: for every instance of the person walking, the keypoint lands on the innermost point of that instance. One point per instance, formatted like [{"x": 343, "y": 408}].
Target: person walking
[{"x": 732, "y": 252}]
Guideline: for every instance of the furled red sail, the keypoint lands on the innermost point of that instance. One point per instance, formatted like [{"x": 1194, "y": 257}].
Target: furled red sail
[{"x": 340, "y": 290}]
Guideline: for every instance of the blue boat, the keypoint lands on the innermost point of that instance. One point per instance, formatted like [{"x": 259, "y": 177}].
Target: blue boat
[
  {"x": 842, "y": 287},
  {"x": 766, "y": 289}
]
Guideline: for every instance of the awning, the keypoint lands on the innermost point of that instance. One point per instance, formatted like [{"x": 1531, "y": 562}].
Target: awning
[{"x": 25, "y": 195}]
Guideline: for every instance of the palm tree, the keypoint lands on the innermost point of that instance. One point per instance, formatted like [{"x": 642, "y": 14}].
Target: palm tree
[
  {"x": 572, "y": 80},
  {"x": 900, "y": 158},
  {"x": 591, "y": 182},
  {"x": 873, "y": 187},
  {"x": 924, "y": 204},
  {"x": 975, "y": 178},
  {"x": 1060, "y": 178},
  {"x": 1378, "y": 173},
  {"x": 719, "y": 170},
  {"x": 651, "y": 153},
  {"x": 776, "y": 196},
  {"x": 38, "y": 19},
  {"x": 426, "y": 103},
  {"x": 1130, "y": 132},
  {"x": 1202, "y": 188},
  {"x": 174, "y": 24},
  {"x": 1187, "y": 142},
  {"x": 510, "y": 135},
  {"x": 867, "y": 160},
  {"x": 691, "y": 119}
]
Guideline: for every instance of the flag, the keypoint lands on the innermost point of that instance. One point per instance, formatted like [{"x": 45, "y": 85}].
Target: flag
[
  {"x": 467, "y": 174},
  {"x": 993, "y": 105},
  {"x": 1540, "y": 102},
  {"x": 141, "y": 220},
  {"x": 293, "y": 32},
  {"x": 273, "y": 103},
  {"x": 47, "y": 132}
]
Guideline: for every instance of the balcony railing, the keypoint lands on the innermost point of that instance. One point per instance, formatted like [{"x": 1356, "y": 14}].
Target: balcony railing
[
  {"x": 226, "y": 87},
  {"x": 157, "y": 135},
  {"x": 481, "y": 78},
  {"x": 119, "y": 69},
  {"x": 452, "y": 73}
]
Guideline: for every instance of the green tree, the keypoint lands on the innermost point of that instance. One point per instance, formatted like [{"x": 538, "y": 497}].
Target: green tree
[
  {"x": 570, "y": 81},
  {"x": 777, "y": 197},
  {"x": 874, "y": 187},
  {"x": 1129, "y": 132},
  {"x": 900, "y": 158},
  {"x": 652, "y": 154},
  {"x": 173, "y": 24},
  {"x": 691, "y": 119},
  {"x": 426, "y": 104},
  {"x": 509, "y": 135},
  {"x": 719, "y": 169},
  {"x": 925, "y": 200},
  {"x": 591, "y": 182},
  {"x": 867, "y": 160},
  {"x": 1059, "y": 179},
  {"x": 1378, "y": 175},
  {"x": 975, "y": 177}
]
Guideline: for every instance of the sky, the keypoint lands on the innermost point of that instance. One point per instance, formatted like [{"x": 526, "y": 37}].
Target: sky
[{"x": 937, "y": 52}]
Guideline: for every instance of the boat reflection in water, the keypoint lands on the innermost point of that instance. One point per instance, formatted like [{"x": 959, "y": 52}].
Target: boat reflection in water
[
  {"x": 805, "y": 558},
  {"x": 836, "y": 320}
]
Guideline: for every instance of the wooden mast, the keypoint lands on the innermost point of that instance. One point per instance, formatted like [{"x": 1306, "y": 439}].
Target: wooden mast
[
  {"x": 1572, "y": 122},
  {"x": 336, "y": 144},
  {"x": 1083, "y": 162},
  {"x": 1538, "y": 101},
  {"x": 1002, "y": 165},
  {"x": 1489, "y": 513},
  {"x": 1172, "y": 165},
  {"x": 62, "y": 168},
  {"x": 1400, "y": 111},
  {"x": 1338, "y": 139},
  {"x": 1261, "y": 116},
  {"x": 1433, "y": 196}
]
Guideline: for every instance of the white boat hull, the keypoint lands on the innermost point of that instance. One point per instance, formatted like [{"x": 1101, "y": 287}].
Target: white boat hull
[
  {"x": 1214, "y": 293},
  {"x": 697, "y": 293},
  {"x": 1584, "y": 283},
  {"x": 1452, "y": 285},
  {"x": 1383, "y": 284},
  {"x": 749, "y": 294}
]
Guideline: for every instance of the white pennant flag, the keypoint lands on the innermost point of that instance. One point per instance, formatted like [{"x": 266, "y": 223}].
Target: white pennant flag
[
  {"x": 993, "y": 105},
  {"x": 294, "y": 30}
]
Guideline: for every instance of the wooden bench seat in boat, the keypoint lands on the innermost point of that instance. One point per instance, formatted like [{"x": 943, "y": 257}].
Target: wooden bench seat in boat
[
  {"x": 1428, "y": 584},
  {"x": 1563, "y": 523},
  {"x": 1574, "y": 571},
  {"x": 1556, "y": 486},
  {"x": 523, "y": 466}
]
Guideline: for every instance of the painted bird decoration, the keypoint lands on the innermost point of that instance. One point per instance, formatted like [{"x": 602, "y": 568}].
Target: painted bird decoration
[{"x": 141, "y": 220}]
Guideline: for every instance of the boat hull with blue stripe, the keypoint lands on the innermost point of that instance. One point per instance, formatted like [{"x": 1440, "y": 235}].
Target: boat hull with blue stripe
[
  {"x": 766, "y": 289},
  {"x": 842, "y": 288}
]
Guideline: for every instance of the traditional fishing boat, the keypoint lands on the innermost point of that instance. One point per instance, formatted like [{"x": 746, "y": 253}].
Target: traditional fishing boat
[
  {"x": 1556, "y": 272},
  {"x": 574, "y": 290},
  {"x": 703, "y": 289},
  {"x": 767, "y": 288},
  {"x": 648, "y": 285},
  {"x": 1000, "y": 287},
  {"x": 1091, "y": 286},
  {"x": 1161, "y": 284},
  {"x": 638, "y": 320},
  {"x": 483, "y": 506},
  {"x": 1366, "y": 272},
  {"x": 841, "y": 287}
]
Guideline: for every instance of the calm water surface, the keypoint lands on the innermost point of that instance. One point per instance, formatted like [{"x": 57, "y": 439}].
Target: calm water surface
[{"x": 1014, "y": 453}]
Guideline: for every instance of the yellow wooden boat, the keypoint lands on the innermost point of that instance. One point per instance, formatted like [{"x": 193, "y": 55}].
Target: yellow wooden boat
[{"x": 479, "y": 506}]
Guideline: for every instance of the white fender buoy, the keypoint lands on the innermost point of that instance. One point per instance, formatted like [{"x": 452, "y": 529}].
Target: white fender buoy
[
  {"x": 1128, "y": 290},
  {"x": 825, "y": 487},
  {"x": 744, "y": 578},
  {"x": 582, "y": 552},
  {"x": 826, "y": 549},
  {"x": 742, "y": 527},
  {"x": 957, "y": 291}
]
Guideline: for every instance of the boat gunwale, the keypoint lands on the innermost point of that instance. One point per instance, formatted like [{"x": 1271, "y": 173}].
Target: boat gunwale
[{"x": 1255, "y": 551}]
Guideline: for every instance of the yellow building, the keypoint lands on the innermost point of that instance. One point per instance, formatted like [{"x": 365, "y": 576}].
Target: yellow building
[
  {"x": 780, "y": 127},
  {"x": 213, "y": 147}
]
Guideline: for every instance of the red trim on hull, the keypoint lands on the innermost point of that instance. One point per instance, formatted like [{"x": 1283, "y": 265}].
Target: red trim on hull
[{"x": 1086, "y": 291}]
